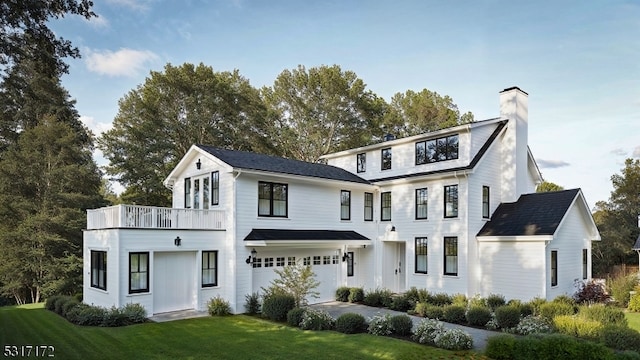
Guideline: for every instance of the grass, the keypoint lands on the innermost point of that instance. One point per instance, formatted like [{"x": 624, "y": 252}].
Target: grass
[
  {"x": 231, "y": 337},
  {"x": 633, "y": 319}
]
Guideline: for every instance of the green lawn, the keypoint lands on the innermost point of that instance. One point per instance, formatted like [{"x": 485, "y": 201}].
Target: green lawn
[
  {"x": 633, "y": 319},
  {"x": 232, "y": 337}
]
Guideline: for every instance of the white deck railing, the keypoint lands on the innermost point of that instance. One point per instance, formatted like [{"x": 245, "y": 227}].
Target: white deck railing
[{"x": 150, "y": 217}]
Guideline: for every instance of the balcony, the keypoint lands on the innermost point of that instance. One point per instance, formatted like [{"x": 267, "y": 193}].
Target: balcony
[{"x": 151, "y": 217}]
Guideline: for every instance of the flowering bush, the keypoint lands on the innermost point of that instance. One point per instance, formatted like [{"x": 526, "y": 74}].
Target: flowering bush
[
  {"x": 533, "y": 325},
  {"x": 380, "y": 325},
  {"x": 316, "y": 320},
  {"x": 453, "y": 339},
  {"x": 427, "y": 330}
]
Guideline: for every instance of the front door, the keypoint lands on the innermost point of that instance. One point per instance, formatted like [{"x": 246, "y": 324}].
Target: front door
[
  {"x": 400, "y": 274},
  {"x": 394, "y": 276}
]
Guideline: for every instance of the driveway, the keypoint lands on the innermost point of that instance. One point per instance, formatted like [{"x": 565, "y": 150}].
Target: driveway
[{"x": 336, "y": 308}]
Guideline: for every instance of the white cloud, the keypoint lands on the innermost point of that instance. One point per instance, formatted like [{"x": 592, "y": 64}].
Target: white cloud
[
  {"x": 138, "y": 5},
  {"x": 619, "y": 152},
  {"x": 95, "y": 126},
  {"x": 549, "y": 164},
  {"x": 636, "y": 152},
  {"x": 98, "y": 22},
  {"x": 124, "y": 62}
]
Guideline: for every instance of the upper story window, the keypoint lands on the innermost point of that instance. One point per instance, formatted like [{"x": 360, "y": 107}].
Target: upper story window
[
  {"x": 215, "y": 188},
  {"x": 451, "y": 201},
  {"x": 386, "y": 159},
  {"x": 272, "y": 199},
  {"x": 440, "y": 149},
  {"x": 421, "y": 203},
  {"x": 385, "y": 206},
  {"x": 202, "y": 191},
  {"x": 362, "y": 162},
  {"x": 485, "y": 202},
  {"x": 187, "y": 193},
  {"x": 368, "y": 206},
  {"x": 345, "y": 205},
  {"x": 585, "y": 263},
  {"x": 554, "y": 268}
]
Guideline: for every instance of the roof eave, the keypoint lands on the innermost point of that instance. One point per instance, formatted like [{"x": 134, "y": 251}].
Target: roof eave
[{"x": 515, "y": 238}]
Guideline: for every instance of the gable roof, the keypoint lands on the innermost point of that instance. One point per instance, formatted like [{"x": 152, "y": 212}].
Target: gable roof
[
  {"x": 278, "y": 234},
  {"x": 260, "y": 162},
  {"x": 533, "y": 214}
]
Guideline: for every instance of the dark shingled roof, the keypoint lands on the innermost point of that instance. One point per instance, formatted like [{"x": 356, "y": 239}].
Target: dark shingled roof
[
  {"x": 252, "y": 161},
  {"x": 274, "y": 234},
  {"x": 532, "y": 214}
]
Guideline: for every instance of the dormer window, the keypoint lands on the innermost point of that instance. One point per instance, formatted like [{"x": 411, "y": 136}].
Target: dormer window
[
  {"x": 386, "y": 159},
  {"x": 440, "y": 149},
  {"x": 362, "y": 162}
]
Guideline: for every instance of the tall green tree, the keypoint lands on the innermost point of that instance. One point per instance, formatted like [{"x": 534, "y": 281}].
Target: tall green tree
[
  {"x": 321, "y": 110},
  {"x": 159, "y": 121},
  {"x": 413, "y": 113},
  {"x": 47, "y": 181},
  {"x": 617, "y": 220},
  {"x": 548, "y": 186}
]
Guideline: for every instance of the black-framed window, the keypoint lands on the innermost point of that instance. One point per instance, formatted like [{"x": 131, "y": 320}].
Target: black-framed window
[
  {"x": 205, "y": 193},
  {"x": 485, "y": 202},
  {"x": 316, "y": 260},
  {"x": 385, "y": 206},
  {"x": 99, "y": 269},
  {"x": 451, "y": 255},
  {"x": 272, "y": 199},
  {"x": 362, "y": 162},
  {"x": 350, "y": 263},
  {"x": 385, "y": 159},
  {"x": 326, "y": 260},
  {"x": 368, "y": 206},
  {"x": 268, "y": 262},
  {"x": 451, "y": 201},
  {"x": 280, "y": 261},
  {"x": 334, "y": 259},
  {"x": 187, "y": 193},
  {"x": 306, "y": 261},
  {"x": 138, "y": 272},
  {"x": 421, "y": 203},
  {"x": 345, "y": 205},
  {"x": 421, "y": 249},
  {"x": 196, "y": 193},
  {"x": 209, "y": 268},
  {"x": 585, "y": 263},
  {"x": 440, "y": 149},
  {"x": 554, "y": 267},
  {"x": 257, "y": 262},
  {"x": 215, "y": 188},
  {"x": 291, "y": 260}
]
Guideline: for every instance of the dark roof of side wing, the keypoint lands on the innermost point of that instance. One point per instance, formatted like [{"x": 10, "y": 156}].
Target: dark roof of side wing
[
  {"x": 533, "y": 214},
  {"x": 252, "y": 161}
]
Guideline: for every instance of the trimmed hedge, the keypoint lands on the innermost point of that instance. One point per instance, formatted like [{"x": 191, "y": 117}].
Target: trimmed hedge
[
  {"x": 478, "y": 315},
  {"x": 356, "y": 295},
  {"x": 378, "y": 298},
  {"x": 606, "y": 315},
  {"x": 342, "y": 293},
  {"x": 276, "y": 306},
  {"x": 455, "y": 314},
  {"x": 351, "y": 323},
  {"x": 577, "y": 326},
  {"x": 620, "y": 338},
  {"x": 507, "y": 316},
  {"x": 545, "y": 347},
  {"x": 294, "y": 316},
  {"x": 552, "y": 309},
  {"x": 402, "y": 325}
]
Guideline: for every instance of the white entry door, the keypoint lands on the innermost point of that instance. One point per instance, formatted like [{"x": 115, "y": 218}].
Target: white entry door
[
  {"x": 174, "y": 281},
  {"x": 394, "y": 268}
]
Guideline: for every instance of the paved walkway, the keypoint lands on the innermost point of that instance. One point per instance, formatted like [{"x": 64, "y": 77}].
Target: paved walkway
[{"x": 336, "y": 308}]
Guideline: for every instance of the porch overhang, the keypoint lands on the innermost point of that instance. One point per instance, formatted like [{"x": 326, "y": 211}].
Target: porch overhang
[{"x": 305, "y": 238}]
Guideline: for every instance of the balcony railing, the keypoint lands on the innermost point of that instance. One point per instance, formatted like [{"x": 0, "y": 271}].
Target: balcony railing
[{"x": 150, "y": 217}]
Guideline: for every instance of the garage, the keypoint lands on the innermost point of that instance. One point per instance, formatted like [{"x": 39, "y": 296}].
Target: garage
[{"x": 174, "y": 281}]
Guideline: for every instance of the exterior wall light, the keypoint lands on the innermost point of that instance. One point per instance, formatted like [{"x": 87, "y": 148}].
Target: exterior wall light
[
  {"x": 198, "y": 164},
  {"x": 252, "y": 256},
  {"x": 177, "y": 241}
]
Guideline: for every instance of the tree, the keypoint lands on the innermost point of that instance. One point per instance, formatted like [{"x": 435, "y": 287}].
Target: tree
[
  {"x": 547, "y": 186},
  {"x": 47, "y": 181},
  {"x": 413, "y": 113},
  {"x": 159, "y": 121},
  {"x": 321, "y": 110},
  {"x": 617, "y": 220},
  {"x": 25, "y": 34},
  {"x": 295, "y": 280}
]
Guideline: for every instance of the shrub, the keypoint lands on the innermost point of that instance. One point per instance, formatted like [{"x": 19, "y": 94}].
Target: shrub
[
  {"x": 276, "y": 306},
  {"x": 114, "y": 317},
  {"x": 294, "y": 316},
  {"x": 313, "y": 319},
  {"x": 134, "y": 313},
  {"x": 74, "y": 314},
  {"x": 430, "y": 311},
  {"x": 342, "y": 293},
  {"x": 477, "y": 301},
  {"x": 252, "y": 303},
  {"x": 218, "y": 306},
  {"x": 460, "y": 299},
  {"x": 603, "y": 314},
  {"x": 591, "y": 292},
  {"x": 356, "y": 295},
  {"x": 578, "y": 327},
  {"x": 401, "y": 303},
  {"x": 68, "y": 305},
  {"x": 51, "y": 301},
  {"x": 455, "y": 314},
  {"x": 427, "y": 330},
  {"x": 495, "y": 300},
  {"x": 351, "y": 323},
  {"x": 620, "y": 338},
  {"x": 440, "y": 299},
  {"x": 558, "y": 346},
  {"x": 380, "y": 325},
  {"x": 619, "y": 288},
  {"x": 552, "y": 309},
  {"x": 501, "y": 347},
  {"x": 507, "y": 316},
  {"x": 627, "y": 355},
  {"x": 564, "y": 299},
  {"x": 478, "y": 315},
  {"x": 59, "y": 302},
  {"x": 453, "y": 339},
  {"x": 378, "y": 298},
  {"x": 535, "y": 304},
  {"x": 417, "y": 295},
  {"x": 533, "y": 325},
  {"x": 401, "y": 324},
  {"x": 297, "y": 281},
  {"x": 634, "y": 303}
]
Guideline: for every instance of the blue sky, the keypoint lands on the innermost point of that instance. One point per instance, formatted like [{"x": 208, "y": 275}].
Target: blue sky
[{"x": 578, "y": 60}]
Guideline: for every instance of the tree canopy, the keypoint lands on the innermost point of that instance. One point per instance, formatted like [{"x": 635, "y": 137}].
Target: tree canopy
[{"x": 547, "y": 186}]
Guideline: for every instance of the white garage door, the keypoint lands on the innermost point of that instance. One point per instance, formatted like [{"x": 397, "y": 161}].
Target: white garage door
[
  {"x": 174, "y": 281},
  {"x": 324, "y": 263}
]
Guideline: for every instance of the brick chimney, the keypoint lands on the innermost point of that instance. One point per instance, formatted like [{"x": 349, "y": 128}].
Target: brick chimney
[{"x": 514, "y": 106}]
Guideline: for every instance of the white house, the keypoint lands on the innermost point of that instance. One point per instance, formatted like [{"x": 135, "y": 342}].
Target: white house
[{"x": 450, "y": 211}]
